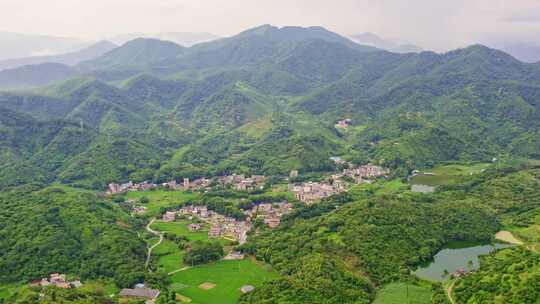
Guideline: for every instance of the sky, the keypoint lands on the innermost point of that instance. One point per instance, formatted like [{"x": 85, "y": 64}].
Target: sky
[{"x": 433, "y": 24}]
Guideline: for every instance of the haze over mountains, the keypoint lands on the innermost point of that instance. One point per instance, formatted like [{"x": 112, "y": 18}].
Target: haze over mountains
[
  {"x": 186, "y": 39},
  {"x": 378, "y": 42},
  {"x": 71, "y": 58}
]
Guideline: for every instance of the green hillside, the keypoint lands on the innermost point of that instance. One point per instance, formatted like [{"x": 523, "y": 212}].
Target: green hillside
[{"x": 59, "y": 229}]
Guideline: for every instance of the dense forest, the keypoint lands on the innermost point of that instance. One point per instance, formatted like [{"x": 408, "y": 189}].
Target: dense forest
[
  {"x": 58, "y": 229},
  {"x": 510, "y": 276}
]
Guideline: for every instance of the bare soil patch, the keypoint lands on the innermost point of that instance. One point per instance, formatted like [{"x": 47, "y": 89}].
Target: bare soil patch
[
  {"x": 207, "y": 286},
  {"x": 508, "y": 237}
]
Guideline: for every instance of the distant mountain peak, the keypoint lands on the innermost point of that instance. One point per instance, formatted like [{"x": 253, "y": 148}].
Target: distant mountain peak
[{"x": 371, "y": 39}]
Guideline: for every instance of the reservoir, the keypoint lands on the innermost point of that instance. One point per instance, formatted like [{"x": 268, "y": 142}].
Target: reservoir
[{"x": 459, "y": 255}]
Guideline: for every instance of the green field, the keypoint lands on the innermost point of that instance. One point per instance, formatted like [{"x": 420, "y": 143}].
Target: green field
[
  {"x": 396, "y": 293},
  {"x": 180, "y": 227},
  {"x": 5, "y": 291},
  {"x": 170, "y": 257},
  {"x": 448, "y": 174},
  {"x": 381, "y": 186},
  {"x": 161, "y": 198},
  {"x": 229, "y": 277}
]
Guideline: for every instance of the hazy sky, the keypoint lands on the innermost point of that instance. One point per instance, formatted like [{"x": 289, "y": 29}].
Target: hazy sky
[{"x": 432, "y": 24}]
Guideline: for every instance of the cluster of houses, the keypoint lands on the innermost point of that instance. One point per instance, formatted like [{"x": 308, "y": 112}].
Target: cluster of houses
[
  {"x": 58, "y": 280},
  {"x": 241, "y": 182},
  {"x": 362, "y": 174},
  {"x": 238, "y": 182},
  {"x": 270, "y": 213},
  {"x": 310, "y": 192},
  {"x": 220, "y": 225},
  {"x": 130, "y": 186},
  {"x": 228, "y": 227}
]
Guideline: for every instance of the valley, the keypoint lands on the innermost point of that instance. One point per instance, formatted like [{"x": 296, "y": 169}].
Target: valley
[{"x": 278, "y": 165}]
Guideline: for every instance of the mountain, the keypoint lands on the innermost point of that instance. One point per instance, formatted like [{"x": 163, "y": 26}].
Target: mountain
[
  {"x": 185, "y": 39},
  {"x": 35, "y": 75},
  {"x": 136, "y": 53},
  {"x": 197, "y": 105},
  {"x": 378, "y": 42},
  {"x": 16, "y": 45},
  {"x": 71, "y": 59},
  {"x": 255, "y": 47}
]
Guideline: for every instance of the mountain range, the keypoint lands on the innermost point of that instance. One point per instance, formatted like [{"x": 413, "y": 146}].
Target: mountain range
[
  {"x": 186, "y": 39},
  {"x": 16, "y": 45},
  {"x": 70, "y": 58},
  {"x": 159, "y": 110}
]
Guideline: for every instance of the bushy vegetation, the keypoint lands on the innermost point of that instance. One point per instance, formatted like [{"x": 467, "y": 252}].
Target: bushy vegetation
[
  {"x": 203, "y": 252},
  {"x": 384, "y": 235},
  {"x": 63, "y": 230},
  {"x": 510, "y": 276}
]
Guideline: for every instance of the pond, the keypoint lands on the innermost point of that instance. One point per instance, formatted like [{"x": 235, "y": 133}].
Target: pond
[
  {"x": 426, "y": 183},
  {"x": 422, "y": 188},
  {"x": 459, "y": 255}
]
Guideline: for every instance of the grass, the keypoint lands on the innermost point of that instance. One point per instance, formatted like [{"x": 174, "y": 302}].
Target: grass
[
  {"x": 161, "y": 198},
  {"x": 5, "y": 291},
  {"x": 229, "y": 277},
  {"x": 180, "y": 227},
  {"x": 170, "y": 257},
  {"x": 396, "y": 293},
  {"x": 381, "y": 186},
  {"x": 448, "y": 174}
]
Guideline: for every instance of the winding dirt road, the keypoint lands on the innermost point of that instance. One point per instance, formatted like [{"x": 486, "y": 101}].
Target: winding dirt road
[{"x": 154, "y": 232}]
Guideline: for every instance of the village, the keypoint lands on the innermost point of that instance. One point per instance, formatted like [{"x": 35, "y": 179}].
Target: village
[
  {"x": 307, "y": 192},
  {"x": 310, "y": 192},
  {"x": 228, "y": 227},
  {"x": 237, "y": 182}
]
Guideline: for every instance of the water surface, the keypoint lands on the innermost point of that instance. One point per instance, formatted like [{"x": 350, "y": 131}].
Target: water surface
[{"x": 456, "y": 256}]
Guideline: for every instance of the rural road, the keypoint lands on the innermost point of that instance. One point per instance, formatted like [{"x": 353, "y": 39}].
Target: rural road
[
  {"x": 156, "y": 244},
  {"x": 178, "y": 270}
]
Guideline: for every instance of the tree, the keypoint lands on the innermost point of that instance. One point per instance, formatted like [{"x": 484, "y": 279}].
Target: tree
[{"x": 203, "y": 252}]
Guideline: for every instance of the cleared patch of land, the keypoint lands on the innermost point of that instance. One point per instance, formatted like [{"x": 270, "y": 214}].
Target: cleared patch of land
[
  {"x": 400, "y": 293},
  {"x": 207, "y": 285},
  {"x": 508, "y": 237},
  {"x": 448, "y": 174},
  {"x": 182, "y": 298},
  {"x": 228, "y": 276}
]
